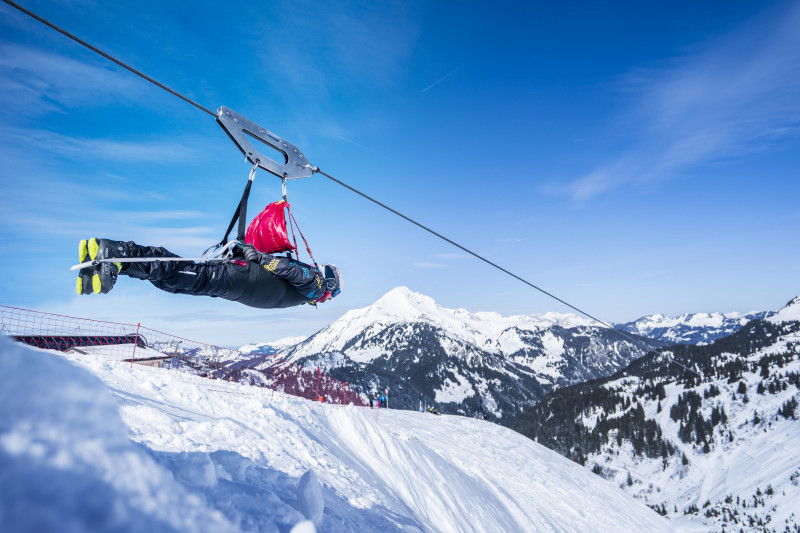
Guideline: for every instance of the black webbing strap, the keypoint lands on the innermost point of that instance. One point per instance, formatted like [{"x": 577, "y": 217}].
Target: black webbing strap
[
  {"x": 241, "y": 211},
  {"x": 240, "y": 214}
]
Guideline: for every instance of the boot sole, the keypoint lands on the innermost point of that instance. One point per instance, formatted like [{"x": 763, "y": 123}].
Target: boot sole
[{"x": 83, "y": 285}]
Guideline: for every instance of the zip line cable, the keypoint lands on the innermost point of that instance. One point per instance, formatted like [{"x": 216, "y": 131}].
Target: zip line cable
[
  {"x": 317, "y": 170},
  {"x": 526, "y": 282}
]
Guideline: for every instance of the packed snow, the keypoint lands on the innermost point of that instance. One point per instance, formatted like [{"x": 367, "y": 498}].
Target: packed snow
[{"x": 92, "y": 445}]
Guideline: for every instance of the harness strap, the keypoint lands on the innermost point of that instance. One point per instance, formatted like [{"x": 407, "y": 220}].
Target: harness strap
[
  {"x": 308, "y": 249},
  {"x": 241, "y": 210}
]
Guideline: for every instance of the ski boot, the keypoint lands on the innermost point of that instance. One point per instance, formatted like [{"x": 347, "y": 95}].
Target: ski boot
[
  {"x": 105, "y": 274},
  {"x": 84, "y": 283}
]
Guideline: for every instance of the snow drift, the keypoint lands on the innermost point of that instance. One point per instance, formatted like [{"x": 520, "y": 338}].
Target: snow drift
[{"x": 89, "y": 445}]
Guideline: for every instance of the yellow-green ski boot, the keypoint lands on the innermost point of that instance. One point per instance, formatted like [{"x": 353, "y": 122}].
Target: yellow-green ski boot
[
  {"x": 84, "y": 283},
  {"x": 105, "y": 274}
]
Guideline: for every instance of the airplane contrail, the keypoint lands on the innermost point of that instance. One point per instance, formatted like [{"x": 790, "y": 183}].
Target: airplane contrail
[{"x": 440, "y": 80}]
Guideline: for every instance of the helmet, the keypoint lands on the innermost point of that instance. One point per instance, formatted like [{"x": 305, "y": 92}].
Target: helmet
[{"x": 333, "y": 279}]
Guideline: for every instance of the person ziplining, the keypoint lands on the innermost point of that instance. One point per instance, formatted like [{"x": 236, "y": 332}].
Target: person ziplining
[
  {"x": 245, "y": 270},
  {"x": 256, "y": 279}
]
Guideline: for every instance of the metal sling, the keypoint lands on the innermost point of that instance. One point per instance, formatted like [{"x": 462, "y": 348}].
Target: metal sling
[{"x": 241, "y": 130}]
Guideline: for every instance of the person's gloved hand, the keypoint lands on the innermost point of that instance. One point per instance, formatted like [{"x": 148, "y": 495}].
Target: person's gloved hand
[{"x": 251, "y": 254}]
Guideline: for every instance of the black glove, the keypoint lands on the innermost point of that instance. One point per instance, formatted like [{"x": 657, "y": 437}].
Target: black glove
[{"x": 251, "y": 254}]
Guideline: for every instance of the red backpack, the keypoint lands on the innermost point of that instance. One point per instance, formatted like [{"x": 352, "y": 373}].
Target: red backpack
[{"x": 267, "y": 232}]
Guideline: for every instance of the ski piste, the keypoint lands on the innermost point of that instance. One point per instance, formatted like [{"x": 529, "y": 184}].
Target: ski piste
[{"x": 96, "y": 262}]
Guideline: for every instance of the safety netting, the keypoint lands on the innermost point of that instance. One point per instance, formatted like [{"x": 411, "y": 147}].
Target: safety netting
[{"x": 211, "y": 366}]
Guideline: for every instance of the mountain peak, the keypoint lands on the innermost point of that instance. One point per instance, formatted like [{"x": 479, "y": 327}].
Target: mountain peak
[
  {"x": 788, "y": 313},
  {"x": 403, "y": 303}
]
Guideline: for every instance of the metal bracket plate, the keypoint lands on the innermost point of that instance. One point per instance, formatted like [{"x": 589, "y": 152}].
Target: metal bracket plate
[{"x": 241, "y": 130}]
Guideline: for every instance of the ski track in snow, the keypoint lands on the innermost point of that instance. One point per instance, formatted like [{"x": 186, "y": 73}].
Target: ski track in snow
[{"x": 150, "y": 450}]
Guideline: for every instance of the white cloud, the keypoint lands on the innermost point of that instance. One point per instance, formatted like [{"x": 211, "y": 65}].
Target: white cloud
[
  {"x": 733, "y": 96},
  {"x": 153, "y": 149},
  {"x": 36, "y": 82},
  {"x": 359, "y": 44}
]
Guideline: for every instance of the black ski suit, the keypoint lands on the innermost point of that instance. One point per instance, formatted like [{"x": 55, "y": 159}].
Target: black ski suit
[{"x": 271, "y": 282}]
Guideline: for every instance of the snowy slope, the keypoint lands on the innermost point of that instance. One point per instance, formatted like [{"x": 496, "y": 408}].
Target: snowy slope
[
  {"x": 745, "y": 471},
  {"x": 88, "y": 445},
  {"x": 789, "y": 313}
]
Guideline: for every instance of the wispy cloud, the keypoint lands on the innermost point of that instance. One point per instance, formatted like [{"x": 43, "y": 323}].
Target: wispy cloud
[
  {"x": 732, "y": 96},
  {"x": 429, "y": 265},
  {"x": 37, "y": 82},
  {"x": 357, "y": 44},
  {"x": 151, "y": 149}
]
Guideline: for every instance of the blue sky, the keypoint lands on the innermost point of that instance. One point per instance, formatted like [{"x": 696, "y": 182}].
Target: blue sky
[{"x": 632, "y": 158}]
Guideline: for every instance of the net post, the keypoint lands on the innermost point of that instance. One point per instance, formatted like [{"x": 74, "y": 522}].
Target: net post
[
  {"x": 274, "y": 364},
  {"x": 135, "y": 342}
]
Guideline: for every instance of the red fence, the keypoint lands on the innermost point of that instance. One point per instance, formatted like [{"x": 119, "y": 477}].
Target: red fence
[{"x": 136, "y": 344}]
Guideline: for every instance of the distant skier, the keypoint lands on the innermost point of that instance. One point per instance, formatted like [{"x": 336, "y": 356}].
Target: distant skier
[
  {"x": 371, "y": 400},
  {"x": 250, "y": 277}
]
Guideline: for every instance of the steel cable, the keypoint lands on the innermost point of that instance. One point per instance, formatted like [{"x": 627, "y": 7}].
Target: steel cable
[{"x": 202, "y": 108}]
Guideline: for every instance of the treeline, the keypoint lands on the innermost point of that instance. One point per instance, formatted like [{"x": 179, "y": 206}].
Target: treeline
[
  {"x": 580, "y": 420},
  {"x": 561, "y": 422}
]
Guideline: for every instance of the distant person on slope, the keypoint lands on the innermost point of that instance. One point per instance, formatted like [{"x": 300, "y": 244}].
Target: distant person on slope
[{"x": 251, "y": 278}]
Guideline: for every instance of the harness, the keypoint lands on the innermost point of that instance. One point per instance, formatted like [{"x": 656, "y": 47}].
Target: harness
[{"x": 241, "y": 130}]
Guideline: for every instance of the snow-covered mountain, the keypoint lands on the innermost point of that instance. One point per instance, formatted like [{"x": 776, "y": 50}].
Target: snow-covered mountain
[
  {"x": 92, "y": 445},
  {"x": 466, "y": 363},
  {"x": 694, "y": 328},
  {"x": 707, "y": 431},
  {"x": 272, "y": 347},
  {"x": 789, "y": 313}
]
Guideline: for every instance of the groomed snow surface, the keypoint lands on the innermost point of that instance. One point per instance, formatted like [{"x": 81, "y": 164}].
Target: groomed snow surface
[{"x": 90, "y": 445}]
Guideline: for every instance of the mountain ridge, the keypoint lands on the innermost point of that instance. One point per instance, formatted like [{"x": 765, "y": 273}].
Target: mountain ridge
[
  {"x": 484, "y": 364},
  {"x": 708, "y": 431}
]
